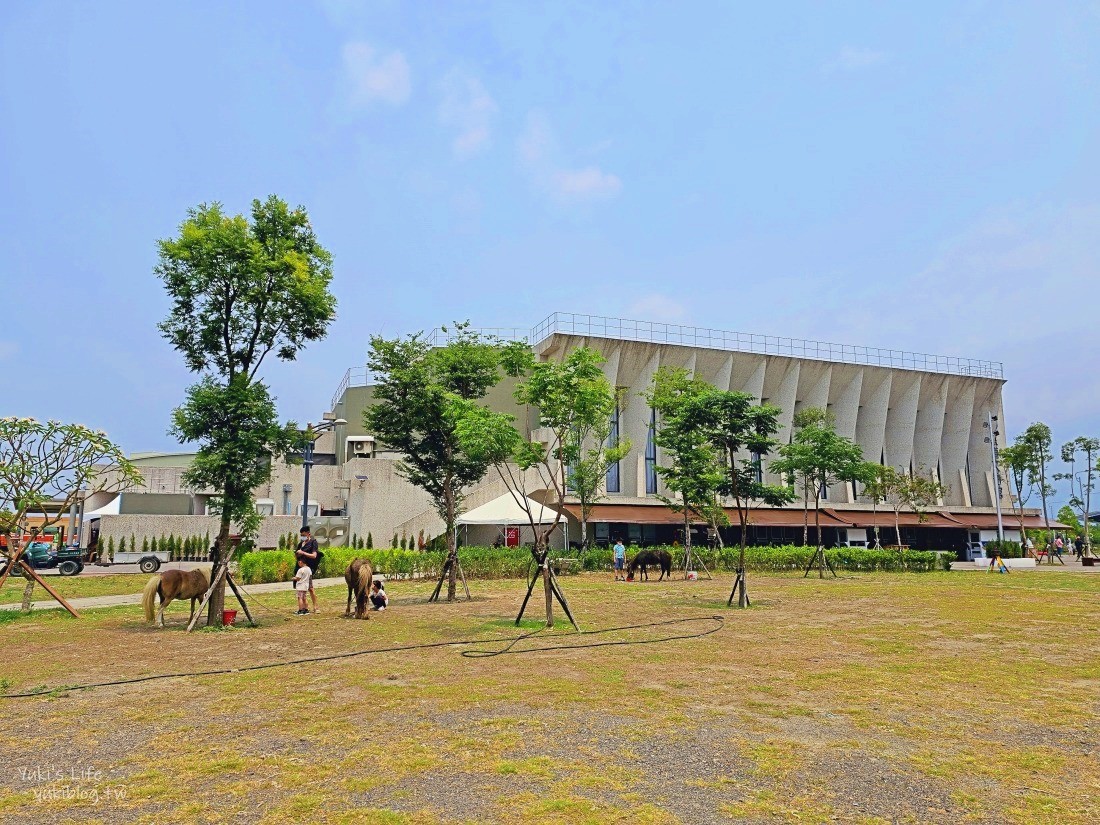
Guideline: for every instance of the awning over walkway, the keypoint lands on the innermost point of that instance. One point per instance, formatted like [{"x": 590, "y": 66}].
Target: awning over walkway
[
  {"x": 660, "y": 514},
  {"x": 507, "y": 510},
  {"x": 885, "y": 518},
  {"x": 985, "y": 521}
]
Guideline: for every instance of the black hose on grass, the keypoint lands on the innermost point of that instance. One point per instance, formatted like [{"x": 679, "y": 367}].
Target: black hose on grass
[{"x": 718, "y": 622}]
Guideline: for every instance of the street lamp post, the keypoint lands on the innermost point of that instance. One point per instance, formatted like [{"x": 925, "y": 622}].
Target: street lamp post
[
  {"x": 992, "y": 439},
  {"x": 313, "y": 433}
]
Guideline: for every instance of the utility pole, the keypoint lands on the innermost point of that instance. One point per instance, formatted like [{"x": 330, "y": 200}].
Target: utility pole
[
  {"x": 312, "y": 433},
  {"x": 992, "y": 439}
]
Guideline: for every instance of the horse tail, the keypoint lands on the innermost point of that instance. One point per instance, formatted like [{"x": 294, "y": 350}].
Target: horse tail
[{"x": 148, "y": 597}]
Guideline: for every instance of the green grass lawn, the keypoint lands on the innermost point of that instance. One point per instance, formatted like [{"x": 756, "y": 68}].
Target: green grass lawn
[
  {"x": 869, "y": 699},
  {"x": 76, "y": 587}
]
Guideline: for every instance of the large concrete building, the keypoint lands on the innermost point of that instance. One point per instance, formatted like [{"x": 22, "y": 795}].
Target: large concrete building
[{"x": 917, "y": 413}]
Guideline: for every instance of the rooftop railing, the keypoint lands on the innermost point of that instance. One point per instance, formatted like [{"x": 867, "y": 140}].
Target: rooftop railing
[{"x": 654, "y": 332}]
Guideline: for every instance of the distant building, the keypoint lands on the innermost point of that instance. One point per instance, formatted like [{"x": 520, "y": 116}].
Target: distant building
[{"x": 915, "y": 412}]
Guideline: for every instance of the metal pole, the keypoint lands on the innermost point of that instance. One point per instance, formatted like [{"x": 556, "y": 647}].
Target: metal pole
[
  {"x": 305, "y": 490},
  {"x": 990, "y": 418}
]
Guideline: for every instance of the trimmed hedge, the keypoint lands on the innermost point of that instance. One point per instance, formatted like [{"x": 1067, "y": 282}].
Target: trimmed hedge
[
  {"x": 262, "y": 566},
  {"x": 786, "y": 557}
]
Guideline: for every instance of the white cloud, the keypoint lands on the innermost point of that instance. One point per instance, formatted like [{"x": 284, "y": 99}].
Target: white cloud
[
  {"x": 541, "y": 156},
  {"x": 852, "y": 59},
  {"x": 590, "y": 182},
  {"x": 657, "y": 306},
  {"x": 376, "y": 76},
  {"x": 468, "y": 108}
]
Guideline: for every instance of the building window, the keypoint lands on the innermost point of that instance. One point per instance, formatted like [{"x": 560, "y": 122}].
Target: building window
[
  {"x": 613, "y": 441},
  {"x": 758, "y": 467},
  {"x": 651, "y": 455},
  {"x": 265, "y": 507}
]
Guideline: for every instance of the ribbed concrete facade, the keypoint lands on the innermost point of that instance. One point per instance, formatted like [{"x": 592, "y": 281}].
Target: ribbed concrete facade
[{"x": 915, "y": 421}]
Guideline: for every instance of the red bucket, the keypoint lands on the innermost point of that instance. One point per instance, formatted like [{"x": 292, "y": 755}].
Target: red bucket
[{"x": 227, "y": 617}]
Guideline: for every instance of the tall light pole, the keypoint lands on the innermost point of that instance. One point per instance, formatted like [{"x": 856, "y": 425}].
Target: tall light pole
[
  {"x": 312, "y": 433},
  {"x": 992, "y": 439}
]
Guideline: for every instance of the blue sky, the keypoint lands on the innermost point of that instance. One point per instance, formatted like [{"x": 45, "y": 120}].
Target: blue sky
[{"x": 918, "y": 176}]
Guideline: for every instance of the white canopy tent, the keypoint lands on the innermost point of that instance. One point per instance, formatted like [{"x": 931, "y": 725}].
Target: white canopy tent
[
  {"x": 507, "y": 510},
  {"x": 111, "y": 508}
]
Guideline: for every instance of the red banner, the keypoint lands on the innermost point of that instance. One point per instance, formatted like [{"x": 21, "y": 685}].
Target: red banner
[{"x": 511, "y": 536}]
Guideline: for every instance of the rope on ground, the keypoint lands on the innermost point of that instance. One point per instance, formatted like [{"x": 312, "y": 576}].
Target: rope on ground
[{"x": 512, "y": 641}]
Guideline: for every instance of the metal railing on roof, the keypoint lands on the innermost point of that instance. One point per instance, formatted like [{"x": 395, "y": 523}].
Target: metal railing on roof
[
  {"x": 623, "y": 329},
  {"x": 655, "y": 332}
]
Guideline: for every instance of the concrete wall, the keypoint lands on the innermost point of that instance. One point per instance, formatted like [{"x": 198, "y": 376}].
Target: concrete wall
[
  {"x": 155, "y": 526},
  {"x": 930, "y": 422}
]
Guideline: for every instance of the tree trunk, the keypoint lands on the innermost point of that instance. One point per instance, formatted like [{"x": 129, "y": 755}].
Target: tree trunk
[
  {"x": 820, "y": 547},
  {"x": 1046, "y": 510},
  {"x": 584, "y": 528},
  {"x": 743, "y": 595},
  {"x": 805, "y": 514},
  {"x": 216, "y": 604},
  {"x": 687, "y": 537},
  {"x": 452, "y": 545},
  {"x": 546, "y": 587}
]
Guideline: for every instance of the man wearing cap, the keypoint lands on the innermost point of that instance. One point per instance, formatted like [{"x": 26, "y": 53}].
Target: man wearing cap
[{"x": 307, "y": 551}]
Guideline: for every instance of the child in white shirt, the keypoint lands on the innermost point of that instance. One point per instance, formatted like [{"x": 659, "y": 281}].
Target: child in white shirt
[{"x": 301, "y": 585}]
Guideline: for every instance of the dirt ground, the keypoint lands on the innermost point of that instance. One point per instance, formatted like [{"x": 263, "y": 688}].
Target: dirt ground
[{"x": 954, "y": 697}]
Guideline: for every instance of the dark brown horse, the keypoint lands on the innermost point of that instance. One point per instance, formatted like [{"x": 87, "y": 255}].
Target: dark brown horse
[
  {"x": 359, "y": 576},
  {"x": 657, "y": 558},
  {"x": 171, "y": 585}
]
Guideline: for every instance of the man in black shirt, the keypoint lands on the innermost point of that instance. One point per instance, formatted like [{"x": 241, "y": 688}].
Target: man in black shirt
[{"x": 308, "y": 552}]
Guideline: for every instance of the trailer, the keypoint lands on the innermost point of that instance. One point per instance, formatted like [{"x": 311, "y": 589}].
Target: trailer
[{"x": 147, "y": 561}]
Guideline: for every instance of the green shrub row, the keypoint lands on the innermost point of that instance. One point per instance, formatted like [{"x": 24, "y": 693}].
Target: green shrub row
[
  {"x": 1008, "y": 549},
  {"x": 787, "y": 557},
  {"x": 514, "y": 562}
]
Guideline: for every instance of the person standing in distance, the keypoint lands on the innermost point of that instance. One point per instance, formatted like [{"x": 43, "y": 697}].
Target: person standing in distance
[
  {"x": 620, "y": 560},
  {"x": 307, "y": 551}
]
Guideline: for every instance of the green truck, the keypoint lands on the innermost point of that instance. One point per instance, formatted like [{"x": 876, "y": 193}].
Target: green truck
[{"x": 42, "y": 555}]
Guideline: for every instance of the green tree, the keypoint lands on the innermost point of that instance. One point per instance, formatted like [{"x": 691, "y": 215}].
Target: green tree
[
  {"x": 370, "y": 541},
  {"x": 820, "y": 457},
  {"x": 144, "y": 544},
  {"x": 49, "y": 461},
  {"x": 901, "y": 491},
  {"x": 416, "y": 387},
  {"x": 1027, "y": 460},
  {"x": 1080, "y": 489},
  {"x": 598, "y": 447},
  {"x": 570, "y": 396},
  {"x": 241, "y": 289},
  {"x": 735, "y": 425},
  {"x": 809, "y": 417},
  {"x": 692, "y": 467},
  {"x": 111, "y": 547},
  {"x": 393, "y": 543}
]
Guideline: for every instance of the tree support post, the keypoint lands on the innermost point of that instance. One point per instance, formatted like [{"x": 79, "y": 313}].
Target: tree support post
[
  {"x": 821, "y": 561},
  {"x": 739, "y": 584},
  {"x": 223, "y": 571},
  {"x": 236, "y": 592},
  {"x": 30, "y": 573}
]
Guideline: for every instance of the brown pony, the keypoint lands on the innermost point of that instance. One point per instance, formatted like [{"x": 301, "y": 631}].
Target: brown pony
[
  {"x": 171, "y": 585},
  {"x": 359, "y": 576}
]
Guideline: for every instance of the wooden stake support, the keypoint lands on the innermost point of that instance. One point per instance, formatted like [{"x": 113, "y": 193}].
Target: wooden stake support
[
  {"x": 739, "y": 582},
  {"x": 31, "y": 573},
  {"x": 822, "y": 561},
  {"x": 443, "y": 577},
  {"x": 555, "y": 590}
]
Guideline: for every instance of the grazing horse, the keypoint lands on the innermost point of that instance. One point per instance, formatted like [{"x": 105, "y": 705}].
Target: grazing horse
[
  {"x": 645, "y": 558},
  {"x": 171, "y": 585},
  {"x": 359, "y": 576}
]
